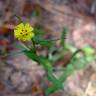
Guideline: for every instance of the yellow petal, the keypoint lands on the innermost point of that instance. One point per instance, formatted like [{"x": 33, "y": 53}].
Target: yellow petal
[
  {"x": 21, "y": 35},
  {"x": 21, "y": 25},
  {"x": 28, "y": 27}
]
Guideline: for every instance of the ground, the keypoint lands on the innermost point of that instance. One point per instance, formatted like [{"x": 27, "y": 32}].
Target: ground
[{"x": 17, "y": 79}]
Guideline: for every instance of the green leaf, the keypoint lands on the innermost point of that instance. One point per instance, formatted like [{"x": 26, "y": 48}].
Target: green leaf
[
  {"x": 46, "y": 43},
  {"x": 63, "y": 37},
  {"x": 43, "y": 42},
  {"x": 54, "y": 80},
  {"x": 36, "y": 13},
  {"x": 90, "y": 58},
  {"x": 38, "y": 30},
  {"x": 51, "y": 90},
  {"x": 88, "y": 51},
  {"x": 39, "y": 39},
  {"x": 67, "y": 72},
  {"x": 57, "y": 84},
  {"x": 20, "y": 46},
  {"x": 76, "y": 54},
  {"x": 39, "y": 59},
  {"x": 80, "y": 63}
]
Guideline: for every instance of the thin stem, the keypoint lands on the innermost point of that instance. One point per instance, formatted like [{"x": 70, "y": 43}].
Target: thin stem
[
  {"x": 20, "y": 20},
  {"x": 73, "y": 55},
  {"x": 34, "y": 47},
  {"x": 76, "y": 52},
  {"x": 25, "y": 46},
  {"x": 55, "y": 39}
]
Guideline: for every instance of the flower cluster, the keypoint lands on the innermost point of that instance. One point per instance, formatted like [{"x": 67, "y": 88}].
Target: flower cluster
[{"x": 23, "y": 32}]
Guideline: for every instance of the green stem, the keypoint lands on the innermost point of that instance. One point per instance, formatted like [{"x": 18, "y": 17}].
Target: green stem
[
  {"x": 33, "y": 47},
  {"x": 20, "y": 20},
  {"x": 56, "y": 83},
  {"x": 53, "y": 79},
  {"x": 68, "y": 71}
]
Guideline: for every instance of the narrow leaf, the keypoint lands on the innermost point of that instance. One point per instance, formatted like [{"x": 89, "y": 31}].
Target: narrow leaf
[
  {"x": 39, "y": 59},
  {"x": 63, "y": 37}
]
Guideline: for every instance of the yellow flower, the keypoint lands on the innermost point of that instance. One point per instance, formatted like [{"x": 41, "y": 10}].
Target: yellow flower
[{"x": 23, "y": 32}]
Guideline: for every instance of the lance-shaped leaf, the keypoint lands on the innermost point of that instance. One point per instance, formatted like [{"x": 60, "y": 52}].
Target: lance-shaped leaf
[
  {"x": 68, "y": 71},
  {"x": 54, "y": 80},
  {"x": 51, "y": 90},
  {"x": 63, "y": 37},
  {"x": 38, "y": 30},
  {"x": 78, "y": 64},
  {"x": 39, "y": 59},
  {"x": 43, "y": 42}
]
